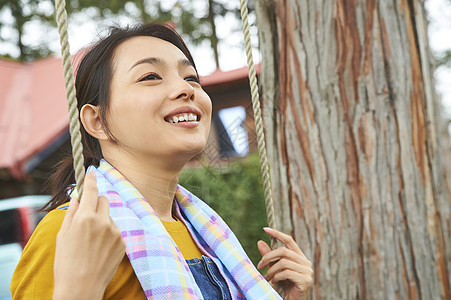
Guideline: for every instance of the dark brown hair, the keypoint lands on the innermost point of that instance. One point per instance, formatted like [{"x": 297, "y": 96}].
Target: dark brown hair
[{"x": 92, "y": 86}]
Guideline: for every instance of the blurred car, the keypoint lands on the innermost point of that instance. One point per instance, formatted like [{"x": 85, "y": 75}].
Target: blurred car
[{"x": 18, "y": 219}]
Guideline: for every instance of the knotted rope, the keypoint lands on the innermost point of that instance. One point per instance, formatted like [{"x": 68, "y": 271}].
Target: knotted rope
[
  {"x": 74, "y": 124},
  {"x": 258, "y": 121}
]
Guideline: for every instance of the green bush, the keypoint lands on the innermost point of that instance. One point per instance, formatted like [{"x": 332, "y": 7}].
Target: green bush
[{"x": 235, "y": 192}]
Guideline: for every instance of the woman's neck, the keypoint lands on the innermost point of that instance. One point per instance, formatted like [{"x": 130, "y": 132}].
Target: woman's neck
[{"x": 155, "y": 180}]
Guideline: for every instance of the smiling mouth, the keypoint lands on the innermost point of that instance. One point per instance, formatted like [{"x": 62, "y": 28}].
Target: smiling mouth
[{"x": 183, "y": 117}]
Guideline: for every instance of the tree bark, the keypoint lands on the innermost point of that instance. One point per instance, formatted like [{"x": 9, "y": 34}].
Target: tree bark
[
  {"x": 213, "y": 35},
  {"x": 352, "y": 127}
]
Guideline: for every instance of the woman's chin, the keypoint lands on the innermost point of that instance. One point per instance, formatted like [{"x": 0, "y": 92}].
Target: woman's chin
[
  {"x": 195, "y": 150},
  {"x": 187, "y": 150}
]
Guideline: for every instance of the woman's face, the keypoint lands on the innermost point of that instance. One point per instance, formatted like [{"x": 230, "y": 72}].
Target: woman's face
[{"x": 157, "y": 106}]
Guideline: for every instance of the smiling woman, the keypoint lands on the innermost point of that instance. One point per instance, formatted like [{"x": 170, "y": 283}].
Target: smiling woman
[
  {"x": 144, "y": 116},
  {"x": 149, "y": 90}
]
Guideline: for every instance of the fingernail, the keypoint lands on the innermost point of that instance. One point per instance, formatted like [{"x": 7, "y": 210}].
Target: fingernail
[
  {"x": 259, "y": 265},
  {"x": 267, "y": 229}
]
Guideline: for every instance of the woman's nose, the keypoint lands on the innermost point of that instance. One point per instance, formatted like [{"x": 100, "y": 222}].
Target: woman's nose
[{"x": 183, "y": 90}]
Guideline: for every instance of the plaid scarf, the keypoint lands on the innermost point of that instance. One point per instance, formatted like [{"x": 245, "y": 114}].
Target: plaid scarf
[{"x": 158, "y": 263}]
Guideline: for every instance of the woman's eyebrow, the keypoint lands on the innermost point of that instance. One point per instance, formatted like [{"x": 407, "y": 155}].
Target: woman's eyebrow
[
  {"x": 159, "y": 61},
  {"x": 149, "y": 60},
  {"x": 185, "y": 62}
]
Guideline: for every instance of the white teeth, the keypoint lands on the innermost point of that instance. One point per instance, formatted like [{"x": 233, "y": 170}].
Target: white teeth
[{"x": 183, "y": 117}]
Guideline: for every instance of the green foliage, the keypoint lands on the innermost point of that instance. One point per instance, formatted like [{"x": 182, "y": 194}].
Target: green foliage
[
  {"x": 24, "y": 11},
  {"x": 111, "y": 8},
  {"x": 445, "y": 59},
  {"x": 235, "y": 192},
  {"x": 192, "y": 17},
  {"x": 195, "y": 19}
]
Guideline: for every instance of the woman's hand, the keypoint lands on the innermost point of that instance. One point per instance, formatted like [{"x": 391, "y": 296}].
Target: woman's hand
[
  {"x": 89, "y": 247},
  {"x": 287, "y": 265}
]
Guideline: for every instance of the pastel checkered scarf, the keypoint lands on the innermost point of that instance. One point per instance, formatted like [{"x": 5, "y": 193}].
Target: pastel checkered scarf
[{"x": 156, "y": 260}]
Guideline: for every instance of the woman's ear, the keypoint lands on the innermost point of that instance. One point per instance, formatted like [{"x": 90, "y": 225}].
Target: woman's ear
[{"x": 90, "y": 118}]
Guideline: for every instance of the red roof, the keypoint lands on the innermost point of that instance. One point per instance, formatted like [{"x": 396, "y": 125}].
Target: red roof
[
  {"x": 219, "y": 77},
  {"x": 33, "y": 108}
]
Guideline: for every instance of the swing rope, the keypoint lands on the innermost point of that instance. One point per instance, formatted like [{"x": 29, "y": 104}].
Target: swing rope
[
  {"x": 258, "y": 121},
  {"x": 74, "y": 124},
  {"x": 74, "y": 128}
]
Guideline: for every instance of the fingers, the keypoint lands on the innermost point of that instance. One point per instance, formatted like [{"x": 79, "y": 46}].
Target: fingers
[
  {"x": 73, "y": 206},
  {"x": 263, "y": 248},
  {"x": 91, "y": 244},
  {"x": 287, "y": 264},
  {"x": 103, "y": 207},
  {"x": 284, "y": 238},
  {"x": 280, "y": 253},
  {"x": 284, "y": 265},
  {"x": 303, "y": 281},
  {"x": 89, "y": 198}
]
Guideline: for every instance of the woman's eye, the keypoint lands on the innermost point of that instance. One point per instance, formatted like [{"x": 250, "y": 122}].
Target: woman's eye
[
  {"x": 193, "y": 78},
  {"x": 151, "y": 76}
]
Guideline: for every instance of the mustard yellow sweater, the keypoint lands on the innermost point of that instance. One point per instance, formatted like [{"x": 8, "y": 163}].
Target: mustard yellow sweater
[{"x": 33, "y": 277}]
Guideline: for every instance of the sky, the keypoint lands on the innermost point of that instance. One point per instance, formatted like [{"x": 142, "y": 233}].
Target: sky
[
  {"x": 439, "y": 30},
  {"x": 83, "y": 32}
]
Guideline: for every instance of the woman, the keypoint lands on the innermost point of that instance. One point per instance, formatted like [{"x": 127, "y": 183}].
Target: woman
[{"x": 144, "y": 116}]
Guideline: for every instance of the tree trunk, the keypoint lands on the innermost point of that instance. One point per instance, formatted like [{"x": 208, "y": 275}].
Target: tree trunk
[
  {"x": 20, "y": 20},
  {"x": 213, "y": 35},
  {"x": 352, "y": 124}
]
